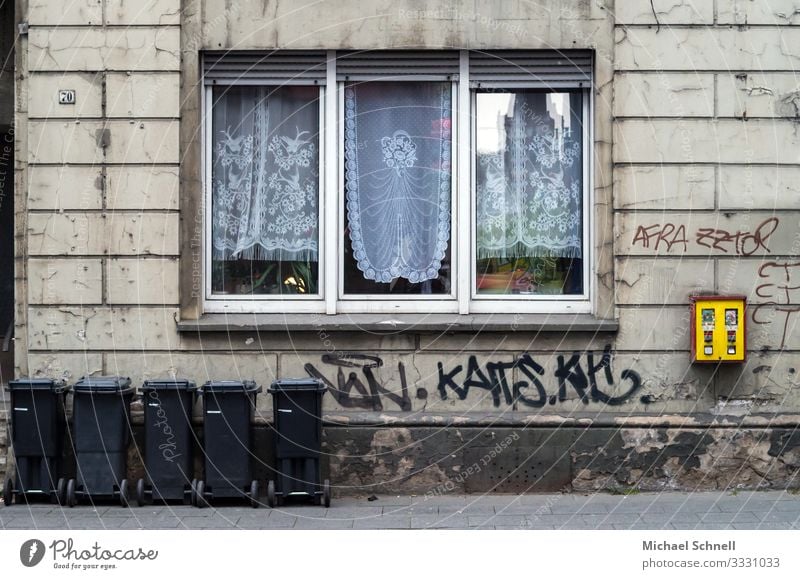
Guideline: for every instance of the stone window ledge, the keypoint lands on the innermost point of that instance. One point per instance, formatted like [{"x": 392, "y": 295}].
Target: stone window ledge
[{"x": 393, "y": 323}]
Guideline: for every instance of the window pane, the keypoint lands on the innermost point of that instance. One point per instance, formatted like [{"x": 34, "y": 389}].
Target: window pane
[
  {"x": 529, "y": 193},
  {"x": 397, "y": 183},
  {"x": 265, "y": 188}
]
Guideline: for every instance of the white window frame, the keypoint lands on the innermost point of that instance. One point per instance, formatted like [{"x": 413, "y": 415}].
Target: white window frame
[
  {"x": 463, "y": 297},
  {"x": 216, "y": 303},
  {"x": 376, "y": 303},
  {"x": 548, "y": 303}
]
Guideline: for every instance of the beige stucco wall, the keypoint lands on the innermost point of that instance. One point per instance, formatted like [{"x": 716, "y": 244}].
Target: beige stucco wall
[
  {"x": 688, "y": 131},
  {"x": 705, "y": 137}
]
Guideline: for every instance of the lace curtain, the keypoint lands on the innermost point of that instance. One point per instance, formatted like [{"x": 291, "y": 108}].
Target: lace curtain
[
  {"x": 529, "y": 189},
  {"x": 397, "y": 178},
  {"x": 265, "y": 173}
]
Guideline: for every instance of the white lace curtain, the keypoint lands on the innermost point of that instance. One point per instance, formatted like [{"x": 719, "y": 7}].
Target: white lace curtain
[
  {"x": 397, "y": 178},
  {"x": 265, "y": 173},
  {"x": 529, "y": 191}
]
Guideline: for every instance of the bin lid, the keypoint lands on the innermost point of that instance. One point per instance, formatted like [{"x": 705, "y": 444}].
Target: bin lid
[
  {"x": 104, "y": 384},
  {"x": 56, "y": 386},
  {"x": 168, "y": 384},
  {"x": 297, "y": 384},
  {"x": 231, "y": 386}
]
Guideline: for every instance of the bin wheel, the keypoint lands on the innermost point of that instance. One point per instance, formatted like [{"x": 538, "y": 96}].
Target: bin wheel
[
  {"x": 71, "y": 499},
  {"x": 140, "y": 492},
  {"x": 200, "y": 500},
  {"x": 123, "y": 493},
  {"x": 254, "y": 490},
  {"x": 61, "y": 489},
  {"x": 187, "y": 495},
  {"x": 193, "y": 493},
  {"x": 271, "y": 493},
  {"x": 8, "y": 492},
  {"x": 326, "y": 493}
]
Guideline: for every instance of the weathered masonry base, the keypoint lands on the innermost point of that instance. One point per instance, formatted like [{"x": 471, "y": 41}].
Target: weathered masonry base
[
  {"x": 526, "y": 454},
  {"x": 512, "y": 460},
  {"x": 432, "y": 461}
]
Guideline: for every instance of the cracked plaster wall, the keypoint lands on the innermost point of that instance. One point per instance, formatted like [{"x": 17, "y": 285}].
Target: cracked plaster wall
[
  {"x": 701, "y": 137},
  {"x": 706, "y": 148}
]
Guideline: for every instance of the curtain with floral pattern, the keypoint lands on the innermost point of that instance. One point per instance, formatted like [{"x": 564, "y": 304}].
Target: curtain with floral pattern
[
  {"x": 397, "y": 178},
  {"x": 530, "y": 187},
  {"x": 265, "y": 173}
]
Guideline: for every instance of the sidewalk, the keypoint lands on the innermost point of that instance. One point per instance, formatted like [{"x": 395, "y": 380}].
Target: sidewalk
[{"x": 717, "y": 510}]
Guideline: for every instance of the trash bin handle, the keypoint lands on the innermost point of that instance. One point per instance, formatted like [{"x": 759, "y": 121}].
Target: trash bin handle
[
  {"x": 194, "y": 390},
  {"x": 130, "y": 389},
  {"x": 58, "y": 388},
  {"x": 254, "y": 390},
  {"x": 62, "y": 388},
  {"x": 273, "y": 389},
  {"x": 191, "y": 386},
  {"x": 201, "y": 390}
]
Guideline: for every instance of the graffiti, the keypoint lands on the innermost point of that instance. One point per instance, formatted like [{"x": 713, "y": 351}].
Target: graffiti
[
  {"x": 588, "y": 374},
  {"x": 368, "y": 396},
  {"x": 780, "y": 289},
  {"x": 496, "y": 382},
  {"x": 532, "y": 392},
  {"x": 168, "y": 446},
  {"x": 653, "y": 236},
  {"x": 669, "y": 235},
  {"x": 744, "y": 242}
]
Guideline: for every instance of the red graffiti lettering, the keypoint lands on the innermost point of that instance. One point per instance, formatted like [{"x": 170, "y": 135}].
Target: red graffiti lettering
[{"x": 668, "y": 234}]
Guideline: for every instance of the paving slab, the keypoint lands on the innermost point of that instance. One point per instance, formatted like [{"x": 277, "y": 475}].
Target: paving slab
[
  {"x": 322, "y": 524},
  {"x": 310, "y": 511},
  {"x": 736, "y": 517},
  {"x": 439, "y": 522},
  {"x": 416, "y": 509},
  {"x": 775, "y": 515},
  {"x": 385, "y": 522},
  {"x": 474, "y": 508},
  {"x": 586, "y": 508},
  {"x": 489, "y": 521},
  {"x": 685, "y": 517},
  {"x": 355, "y": 513}
]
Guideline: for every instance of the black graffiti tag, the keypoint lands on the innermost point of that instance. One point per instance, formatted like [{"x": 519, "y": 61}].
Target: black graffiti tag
[
  {"x": 584, "y": 372},
  {"x": 367, "y": 398},
  {"x": 532, "y": 371},
  {"x": 532, "y": 393},
  {"x": 572, "y": 372},
  {"x": 496, "y": 382}
]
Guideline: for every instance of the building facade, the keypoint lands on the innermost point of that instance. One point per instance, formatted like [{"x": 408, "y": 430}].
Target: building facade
[{"x": 479, "y": 223}]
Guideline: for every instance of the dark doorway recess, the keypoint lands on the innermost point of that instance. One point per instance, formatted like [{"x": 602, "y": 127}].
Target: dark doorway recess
[{"x": 7, "y": 38}]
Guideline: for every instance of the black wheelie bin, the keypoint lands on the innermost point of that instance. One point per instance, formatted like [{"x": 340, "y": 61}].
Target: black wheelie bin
[
  {"x": 168, "y": 441},
  {"x": 37, "y": 436},
  {"x": 297, "y": 425},
  {"x": 101, "y": 432},
  {"x": 228, "y": 407}
]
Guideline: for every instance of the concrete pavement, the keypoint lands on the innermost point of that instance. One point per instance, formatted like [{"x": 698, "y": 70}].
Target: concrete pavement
[{"x": 714, "y": 510}]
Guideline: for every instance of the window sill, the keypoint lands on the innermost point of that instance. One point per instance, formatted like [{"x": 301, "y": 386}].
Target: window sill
[{"x": 391, "y": 323}]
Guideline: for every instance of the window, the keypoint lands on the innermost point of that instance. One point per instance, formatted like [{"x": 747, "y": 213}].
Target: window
[
  {"x": 397, "y": 183},
  {"x": 417, "y": 181},
  {"x": 265, "y": 190},
  {"x": 529, "y": 187}
]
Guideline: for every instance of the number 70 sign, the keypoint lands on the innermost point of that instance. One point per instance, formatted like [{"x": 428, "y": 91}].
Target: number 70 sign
[{"x": 66, "y": 97}]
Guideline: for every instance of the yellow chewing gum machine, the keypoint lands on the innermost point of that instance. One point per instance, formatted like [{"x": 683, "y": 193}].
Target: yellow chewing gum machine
[{"x": 718, "y": 328}]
